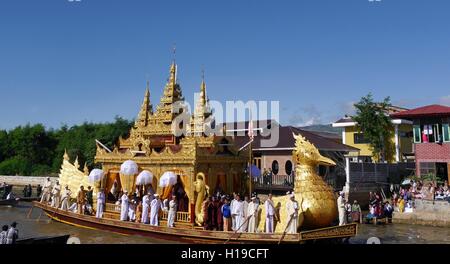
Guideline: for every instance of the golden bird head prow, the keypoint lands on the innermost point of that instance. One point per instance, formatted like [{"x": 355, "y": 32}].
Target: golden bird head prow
[{"x": 306, "y": 153}]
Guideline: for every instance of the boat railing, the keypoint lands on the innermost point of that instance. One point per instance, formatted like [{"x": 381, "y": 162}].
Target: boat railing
[
  {"x": 180, "y": 217},
  {"x": 109, "y": 207}
]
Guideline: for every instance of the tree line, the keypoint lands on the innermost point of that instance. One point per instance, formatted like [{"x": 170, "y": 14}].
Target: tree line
[{"x": 35, "y": 150}]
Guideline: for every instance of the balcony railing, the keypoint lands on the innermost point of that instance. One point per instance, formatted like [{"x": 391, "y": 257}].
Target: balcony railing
[{"x": 279, "y": 181}]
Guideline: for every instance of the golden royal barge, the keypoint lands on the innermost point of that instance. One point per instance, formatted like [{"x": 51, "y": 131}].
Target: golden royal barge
[{"x": 199, "y": 160}]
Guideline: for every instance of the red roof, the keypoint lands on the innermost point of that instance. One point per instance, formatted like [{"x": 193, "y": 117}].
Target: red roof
[{"x": 424, "y": 111}]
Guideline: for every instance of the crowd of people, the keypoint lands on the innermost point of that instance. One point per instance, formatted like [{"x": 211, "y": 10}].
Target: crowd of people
[
  {"x": 232, "y": 213},
  {"x": 378, "y": 208},
  {"x": 9, "y": 234},
  {"x": 403, "y": 199}
]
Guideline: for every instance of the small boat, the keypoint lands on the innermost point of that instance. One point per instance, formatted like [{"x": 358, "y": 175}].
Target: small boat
[
  {"x": 9, "y": 202},
  {"x": 29, "y": 199},
  {"x": 62, "y": 239}
]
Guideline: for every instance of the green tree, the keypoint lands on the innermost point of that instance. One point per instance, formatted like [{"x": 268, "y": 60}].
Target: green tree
[{"x": 374, "y": 122}]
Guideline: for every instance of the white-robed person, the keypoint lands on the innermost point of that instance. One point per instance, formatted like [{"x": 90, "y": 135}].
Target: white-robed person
[
  {"x": 341, "y": 208},
  {"x": 65, "y": 198},
  {"x": 245, "y": 209},
  {"x": 132, "y": 210},
  {"x": 238, "y": 212},
  {"x": 46, "y": 190},
  {"x": 155, "y": 206},
  {"x": 145, "y": 219},
  {"x": 233, "y": 218},
  {"x": 270, "y": 213},
  {"x": 100, "y": 203},
  {"x": 13, "y": 234},
  {"x": 252, "y": 214},
  {"x": 172, "y": 211},
  {"x": 56, "y": 195},
  {"x": 124, "y": 206},
  {"x": 292, "y": 213}
]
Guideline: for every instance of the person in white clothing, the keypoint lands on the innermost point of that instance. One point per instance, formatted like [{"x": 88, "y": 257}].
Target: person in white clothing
[
  {"x": 172, "y": 211},
  {"x": 132, "y": 210},
  {"x": 65, "y": 198},
  {"x": 238, "y": 212},
  {"x": 245, "y": 209},
  {"x": 292, "y": 213},
  {"x": 155, "y": 206},
  {"x": 100, "y": 203},
  {"x": 233, "y": 219},
  {"x": 270, "y": 213},
  {"x": 46, "y": 190},
  {"x": 3, "y": 234},
  {"x": 124, "y": 206},
  {"x": 341, "y": 208},
  {"x": 145, "y": 208},
  {"x": 13, "y": 234},
  {"x": 252, "y": 213},
  {"x": 56, "y": 195}
]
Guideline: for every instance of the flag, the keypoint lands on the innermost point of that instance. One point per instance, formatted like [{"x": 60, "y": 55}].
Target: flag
[{"x": 251, "y": 134}]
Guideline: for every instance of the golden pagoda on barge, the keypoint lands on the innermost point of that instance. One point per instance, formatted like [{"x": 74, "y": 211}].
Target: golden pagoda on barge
[{"x": 200, "y": 162}]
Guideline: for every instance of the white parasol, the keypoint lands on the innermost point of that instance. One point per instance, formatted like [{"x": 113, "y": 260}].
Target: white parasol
[
  {"x": 169, "y": 178},
  {"x": 96, "y": 175},
  {"x": 144, "y": 178},
  {"x": 129, "y": 167}
]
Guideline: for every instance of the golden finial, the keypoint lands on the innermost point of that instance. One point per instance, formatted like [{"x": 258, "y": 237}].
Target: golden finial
[
  {"x": 86, "y": 170},
  {"x": 66, "y": 156},
  {"x": 76, "y": 164},
  {"x": 174, "y": 50}
]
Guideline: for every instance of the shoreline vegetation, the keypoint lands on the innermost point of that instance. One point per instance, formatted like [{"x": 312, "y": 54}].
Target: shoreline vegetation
[{"x": 33, "y": 150}]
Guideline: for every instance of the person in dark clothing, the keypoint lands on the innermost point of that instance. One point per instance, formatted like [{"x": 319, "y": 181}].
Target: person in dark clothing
[
  {"x": 89, "y": 195},
  {"x": 30, "y": 190},
  {"x": 38, "y": 190},
  {"x": 212, "y": 214},
  {"x": 218, "y": 206},
  {"x": 25, "y": 191}
]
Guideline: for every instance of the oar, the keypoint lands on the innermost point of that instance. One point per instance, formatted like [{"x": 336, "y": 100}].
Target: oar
[
  {"x": 53, "y": 215},
  {"x": 30, "y": 211},
  {"x": 246, "y": 220},
  {"x": 285, "y": 229}
]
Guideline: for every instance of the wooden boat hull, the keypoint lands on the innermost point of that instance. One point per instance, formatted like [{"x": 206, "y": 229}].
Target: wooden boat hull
[
  {"x": 192, "y": 235},
  {"x": 10, "y": 202}
]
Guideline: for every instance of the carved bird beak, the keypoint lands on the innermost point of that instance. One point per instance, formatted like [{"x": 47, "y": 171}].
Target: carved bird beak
[{"x": 326, "y": 161}]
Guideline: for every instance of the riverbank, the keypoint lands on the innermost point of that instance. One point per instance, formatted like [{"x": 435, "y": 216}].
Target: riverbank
[
  {"x": 25, "y": 180},
  {"x": 429, "y": 213}
]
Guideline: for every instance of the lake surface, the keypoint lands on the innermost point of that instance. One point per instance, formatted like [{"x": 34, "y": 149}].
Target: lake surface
[{"x": 388, "y": 234}]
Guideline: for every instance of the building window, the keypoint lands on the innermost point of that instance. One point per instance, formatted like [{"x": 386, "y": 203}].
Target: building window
[
  {"x": 275, "y": 167},
  {"x": 359, "y": 138},
  {"x": 446, "y": 132},
  {"x": 427, "y": 168},
  {"x": 429, "y": 133},
  {"x": 288, "y": 167}
]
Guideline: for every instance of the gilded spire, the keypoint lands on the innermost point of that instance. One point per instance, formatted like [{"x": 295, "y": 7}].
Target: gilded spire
[
  {"x": 146, "y": 109},
  {"x": 201, "y": 111},
  {"x": 66, "y": 156}
]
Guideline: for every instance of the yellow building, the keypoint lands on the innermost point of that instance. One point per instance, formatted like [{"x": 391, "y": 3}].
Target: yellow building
[{"x": 402, "y": 140}]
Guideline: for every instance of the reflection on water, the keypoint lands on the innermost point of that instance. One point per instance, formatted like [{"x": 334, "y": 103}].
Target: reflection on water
[
  {"x": 388, "y": 234},
  {"x": 402, "y": 234}
]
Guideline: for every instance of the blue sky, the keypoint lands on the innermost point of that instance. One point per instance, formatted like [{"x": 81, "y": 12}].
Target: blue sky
[{"x": 67, "y": 62}]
